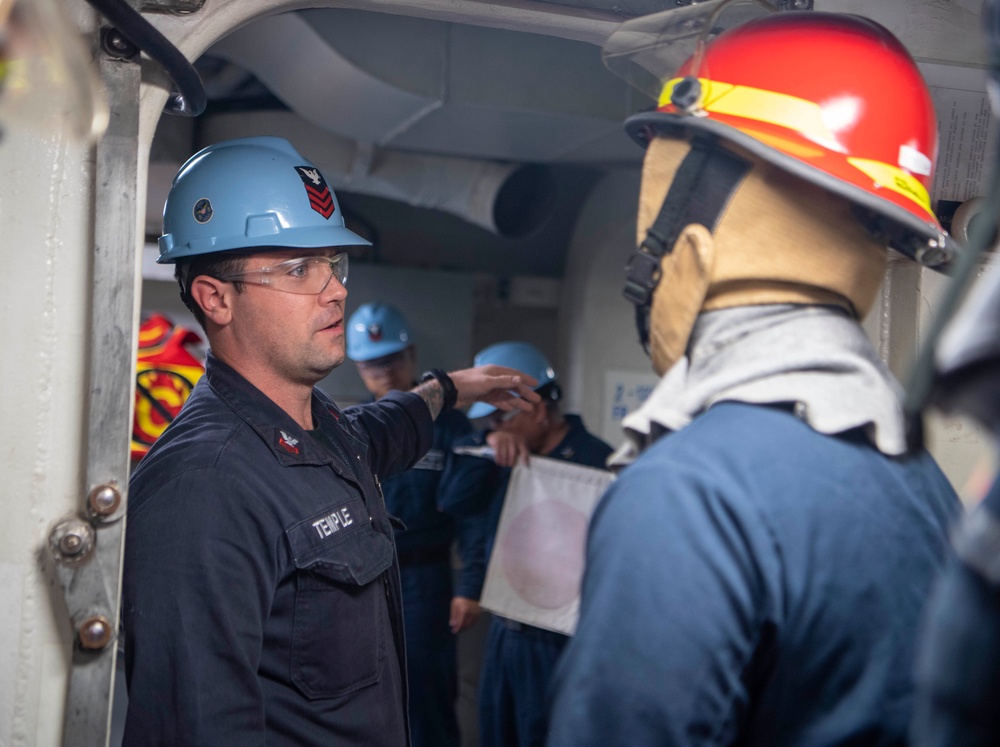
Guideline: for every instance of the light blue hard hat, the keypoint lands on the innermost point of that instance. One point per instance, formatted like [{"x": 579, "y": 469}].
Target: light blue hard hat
[
  {"x": 375, "y": 330},
  {"x": 520, "y": 355},
  {"x": 248, "y": 193}
]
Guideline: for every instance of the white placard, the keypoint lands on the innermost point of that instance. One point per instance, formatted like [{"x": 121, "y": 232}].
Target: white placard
[
  {"x": 966, "y": 130},
  {"x": 536, "y": 566},
  {"x": 624, "y": 392}
]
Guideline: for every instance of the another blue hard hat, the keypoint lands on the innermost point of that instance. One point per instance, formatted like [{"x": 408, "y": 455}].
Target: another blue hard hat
[
  {"x": 248, "y": 193},
  {"x": 520, "y": 355},
  {"x": 375, "y": 330}
]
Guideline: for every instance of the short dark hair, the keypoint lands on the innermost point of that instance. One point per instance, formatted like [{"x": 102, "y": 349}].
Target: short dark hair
[{"x": 215, "y": 265}]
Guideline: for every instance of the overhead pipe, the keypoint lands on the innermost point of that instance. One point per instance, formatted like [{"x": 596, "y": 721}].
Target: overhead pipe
[
  {"x": 509, "y": 200},
  {"x": 343, "y": 126}
]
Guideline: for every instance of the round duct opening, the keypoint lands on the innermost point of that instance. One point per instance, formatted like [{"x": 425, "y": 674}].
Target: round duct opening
[{"x": 524, "y": 202}]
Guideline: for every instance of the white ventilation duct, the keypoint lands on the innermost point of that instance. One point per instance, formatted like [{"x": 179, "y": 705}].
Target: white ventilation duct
[{"x": 510, "y": 200}]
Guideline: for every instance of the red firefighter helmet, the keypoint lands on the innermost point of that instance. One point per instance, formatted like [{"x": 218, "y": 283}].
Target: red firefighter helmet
[{"x": 834, "y": 99}]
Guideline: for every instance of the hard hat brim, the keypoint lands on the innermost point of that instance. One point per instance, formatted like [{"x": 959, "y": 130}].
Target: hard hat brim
[{"x": 292, "y": 238}]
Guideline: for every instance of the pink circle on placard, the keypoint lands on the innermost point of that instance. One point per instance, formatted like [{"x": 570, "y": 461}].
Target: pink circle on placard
[{"x": 542, "y": 553}]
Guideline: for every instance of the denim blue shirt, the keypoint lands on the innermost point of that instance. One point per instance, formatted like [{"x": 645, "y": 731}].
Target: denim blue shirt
[
  {"x": 751, "y": 581},
  {"x": 261, "y": 593}
]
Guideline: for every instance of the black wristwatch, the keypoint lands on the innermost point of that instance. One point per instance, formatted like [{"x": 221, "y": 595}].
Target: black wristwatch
[{"x": 447, "y": 386}]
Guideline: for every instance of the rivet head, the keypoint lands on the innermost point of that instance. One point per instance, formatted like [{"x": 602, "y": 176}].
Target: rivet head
[
  {"x": 117, "y": 45},
  {"x": 95, "y": 633},
  {"x": 72, "y": 540},
  {"x": 686, "y": 94},
  {"x": 104, "y": 500}
]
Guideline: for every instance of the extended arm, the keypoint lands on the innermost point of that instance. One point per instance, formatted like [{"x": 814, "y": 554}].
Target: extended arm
[{"x": 504, "y": 388}]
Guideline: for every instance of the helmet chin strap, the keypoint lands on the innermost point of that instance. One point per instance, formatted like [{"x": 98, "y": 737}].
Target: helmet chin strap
[{"x": 704, "y": 183}]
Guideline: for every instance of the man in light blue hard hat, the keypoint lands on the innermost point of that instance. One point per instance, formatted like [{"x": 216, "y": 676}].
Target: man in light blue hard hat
[
  {"x": 261, "y": 598},
  {"x": 435, "y": 508}
]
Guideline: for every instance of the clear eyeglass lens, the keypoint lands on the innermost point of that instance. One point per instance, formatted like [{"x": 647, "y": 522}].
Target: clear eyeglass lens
[
  {"x": 303, "y": 275},
  {"x": 308, "y": 275}
]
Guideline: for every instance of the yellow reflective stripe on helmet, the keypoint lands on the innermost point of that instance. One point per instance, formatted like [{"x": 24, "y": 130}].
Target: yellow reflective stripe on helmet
[
  {"x": 801, "y": 116},
  {"x": 805, "y": 117},
  {"x": 894, "y": 178}
]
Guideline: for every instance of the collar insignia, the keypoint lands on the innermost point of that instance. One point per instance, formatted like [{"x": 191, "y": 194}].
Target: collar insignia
[{"x": 288, "y": 443}]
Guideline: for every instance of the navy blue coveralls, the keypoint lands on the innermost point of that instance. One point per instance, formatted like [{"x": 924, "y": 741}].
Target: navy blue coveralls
[
  {"x": 751, "y": 581},
  {"x": 519, "y": 659},
  {"x": 261, "y": 592},
  {"x": 431, "y": 500}
]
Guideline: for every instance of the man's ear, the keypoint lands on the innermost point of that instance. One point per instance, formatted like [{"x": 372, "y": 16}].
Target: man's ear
[{"x": 213, "y": 296}]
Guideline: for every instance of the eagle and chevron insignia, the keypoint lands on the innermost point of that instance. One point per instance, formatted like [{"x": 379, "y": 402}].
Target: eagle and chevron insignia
[{"x": 320, "y": 196}]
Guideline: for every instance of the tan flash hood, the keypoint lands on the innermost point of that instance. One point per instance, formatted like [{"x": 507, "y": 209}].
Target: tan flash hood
[{"x": 779, "y": 240}]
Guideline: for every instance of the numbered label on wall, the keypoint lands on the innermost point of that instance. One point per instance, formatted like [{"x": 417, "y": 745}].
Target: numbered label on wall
[{"x": 624, "y": 392}]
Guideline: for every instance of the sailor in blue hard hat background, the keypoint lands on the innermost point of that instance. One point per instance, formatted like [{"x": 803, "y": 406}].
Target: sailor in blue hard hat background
[
  {"x": 433, "y": 504},
  {"x": 519, "y": 659},
  {"x": 261, "y": 599}
]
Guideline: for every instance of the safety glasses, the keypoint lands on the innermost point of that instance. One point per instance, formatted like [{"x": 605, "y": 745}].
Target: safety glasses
[{"x": 307, "y": 276}]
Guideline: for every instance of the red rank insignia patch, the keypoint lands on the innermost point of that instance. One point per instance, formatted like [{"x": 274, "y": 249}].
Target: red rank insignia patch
[
  {"x": 320, "y": 196},
  {"x": 288, "y": 443}
]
